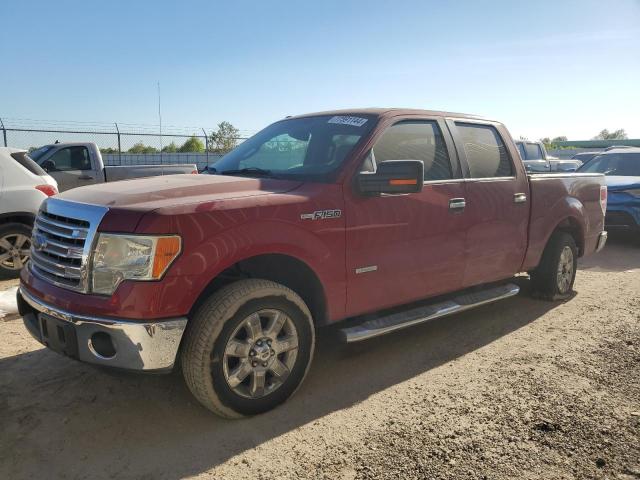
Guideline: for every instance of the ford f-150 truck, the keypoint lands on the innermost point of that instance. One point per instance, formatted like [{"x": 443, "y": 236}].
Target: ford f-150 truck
[
  {"x": 385, "y": 218},
  {"x": 79, "y": 164}
]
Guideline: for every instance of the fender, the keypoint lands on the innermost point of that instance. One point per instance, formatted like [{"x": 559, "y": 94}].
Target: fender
[
  {"x": 215, "y": 255},
  {"x": 217, "y": 238},
  {"x": 567, "y": 211}
]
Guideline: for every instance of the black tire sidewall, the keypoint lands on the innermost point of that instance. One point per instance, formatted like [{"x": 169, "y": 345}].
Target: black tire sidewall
[
  {"x": 8, "y": 229},
  {"x": 249, "y": 406},
  {"x": 546, "y": 277}
]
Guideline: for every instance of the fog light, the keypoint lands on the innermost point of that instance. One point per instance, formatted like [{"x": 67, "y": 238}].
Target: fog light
[{"x": 102, "y": 345}]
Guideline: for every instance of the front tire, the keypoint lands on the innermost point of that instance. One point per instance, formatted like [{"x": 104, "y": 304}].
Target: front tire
[
  {"x": 554, "y": 277},
  {"x": 248, "y": 348}
]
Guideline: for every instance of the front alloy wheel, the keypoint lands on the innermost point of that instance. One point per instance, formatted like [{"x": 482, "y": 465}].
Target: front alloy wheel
[
  {"x": 248, "y": 348},
  {"x": 260, "y": 353}
]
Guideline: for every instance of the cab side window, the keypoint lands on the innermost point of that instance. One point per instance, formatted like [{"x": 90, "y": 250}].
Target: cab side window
[
  {"x": 71, "y": 158},
  {"x": 413, "y": 140},
  {"x": 486, "y": 152}
]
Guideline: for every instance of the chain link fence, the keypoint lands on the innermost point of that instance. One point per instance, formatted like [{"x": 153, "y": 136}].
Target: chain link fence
[{"x": 120, "y": 144}]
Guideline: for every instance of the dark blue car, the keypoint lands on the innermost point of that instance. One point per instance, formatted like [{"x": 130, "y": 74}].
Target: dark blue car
[{"x": 622, "y": 168}]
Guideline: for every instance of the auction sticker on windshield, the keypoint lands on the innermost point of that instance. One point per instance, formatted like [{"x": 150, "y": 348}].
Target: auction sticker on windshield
[{"x": 348, "y": 120}]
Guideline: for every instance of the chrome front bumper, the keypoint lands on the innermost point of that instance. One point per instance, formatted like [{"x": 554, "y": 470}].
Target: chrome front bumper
[{"x": 104, "y": 341}]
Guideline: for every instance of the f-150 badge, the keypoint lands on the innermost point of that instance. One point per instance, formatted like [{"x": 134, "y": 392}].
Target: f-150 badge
[{"x": 321, "y": 215}]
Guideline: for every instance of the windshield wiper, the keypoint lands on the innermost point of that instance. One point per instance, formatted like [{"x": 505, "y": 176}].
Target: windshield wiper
[{"x": 247, "y": 171}]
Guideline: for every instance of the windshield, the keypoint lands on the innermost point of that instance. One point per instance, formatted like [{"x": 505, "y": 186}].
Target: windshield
[
  {"x": 624, "y": 164},
  {"x": 308, "y": 148},
  {"x": 39, "y": 152}
]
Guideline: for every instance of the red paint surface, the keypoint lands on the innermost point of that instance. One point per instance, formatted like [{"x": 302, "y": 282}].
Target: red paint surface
[{"x": 420, "y": 248}]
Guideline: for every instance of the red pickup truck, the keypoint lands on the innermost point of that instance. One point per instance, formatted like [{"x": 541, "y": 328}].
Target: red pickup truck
[{"x": 403, "y": 215}]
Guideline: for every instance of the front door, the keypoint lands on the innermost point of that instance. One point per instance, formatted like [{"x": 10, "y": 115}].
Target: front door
[
  {"x": 402, "y": 248},
  {"x": 70, "y": 166},
  {"x": 497, "y": 203}
]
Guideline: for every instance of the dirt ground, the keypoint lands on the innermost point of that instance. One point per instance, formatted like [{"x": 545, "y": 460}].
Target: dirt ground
[{"x": 518, "y": 389}]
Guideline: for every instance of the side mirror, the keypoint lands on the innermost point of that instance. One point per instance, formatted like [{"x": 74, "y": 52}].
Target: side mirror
[
  {"x": 49, "y": 166},
  {"x": 392, "y": 176}
]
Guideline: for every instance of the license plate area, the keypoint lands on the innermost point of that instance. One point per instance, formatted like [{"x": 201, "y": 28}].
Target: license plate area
[{"x": 58, "y": 335}]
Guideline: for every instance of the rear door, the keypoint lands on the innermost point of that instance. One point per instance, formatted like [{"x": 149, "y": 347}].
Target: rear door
[
  {"x": 71, "y": 167},
  {"x": 402, "y": 248},
  {"x": 497, "y": 195}
]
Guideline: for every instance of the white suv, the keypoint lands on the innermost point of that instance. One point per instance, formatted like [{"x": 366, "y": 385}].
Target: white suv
[{"x": 23, "y": 187}]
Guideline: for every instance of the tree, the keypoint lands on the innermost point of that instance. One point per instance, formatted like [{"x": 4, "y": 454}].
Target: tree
[
  {"x": 607, "y": 135},
  {"x": 142, "y": 148},
  {"x": 171, "y": 148},
  {"x": 552, "y": 144},
  {"x": 225, "y": 138},
  {"x": 108, "y": 150},
  {"x": 194, "y": 144}
]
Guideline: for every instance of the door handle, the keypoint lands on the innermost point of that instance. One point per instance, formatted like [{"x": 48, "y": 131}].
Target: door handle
[
  {"x": 519, "y": 197},
  {"x": 457, "y": 204},
  {"x": 85, "y": 177}
]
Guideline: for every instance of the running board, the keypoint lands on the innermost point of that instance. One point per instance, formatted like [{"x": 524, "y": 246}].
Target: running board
[{"x": 396, "y": 321}]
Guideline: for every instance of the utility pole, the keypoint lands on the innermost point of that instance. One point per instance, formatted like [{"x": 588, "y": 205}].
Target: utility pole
[{"x": 160, "y": 118}]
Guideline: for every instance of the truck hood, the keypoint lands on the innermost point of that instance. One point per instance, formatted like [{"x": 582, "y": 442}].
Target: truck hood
[
  {"x": 616, "y": 182},
  {"x": 145, "y": 194}
]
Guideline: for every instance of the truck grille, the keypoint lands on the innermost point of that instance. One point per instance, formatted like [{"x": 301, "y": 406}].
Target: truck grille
[{"x": 62, "y": 241}]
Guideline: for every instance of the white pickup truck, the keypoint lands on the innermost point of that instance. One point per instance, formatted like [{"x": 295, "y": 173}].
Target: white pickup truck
[
  {"x": 77, "y": 164},
  {"x": 536, "y": 159}
]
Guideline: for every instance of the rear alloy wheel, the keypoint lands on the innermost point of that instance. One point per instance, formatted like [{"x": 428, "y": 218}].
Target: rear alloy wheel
[
  {"x": 248, "y": 348},
  {"x": 554, "y": 277},
  {"x": 15, "y": 243},
  {"x": 566, "y": 272}
]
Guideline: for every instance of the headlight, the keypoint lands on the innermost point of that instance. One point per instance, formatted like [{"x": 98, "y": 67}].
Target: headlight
[
  {"x": 635, "y": 192},
  {"x": 130, "y": 257}
]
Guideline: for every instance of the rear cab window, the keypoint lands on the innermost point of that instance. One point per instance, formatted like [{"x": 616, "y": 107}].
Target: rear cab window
[
  {"x": 534, "y": 152},
  {"x": 486, "y": 153},
  {"x": 414, "y": 140}
]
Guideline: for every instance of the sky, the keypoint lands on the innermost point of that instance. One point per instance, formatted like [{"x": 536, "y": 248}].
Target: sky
[{"x": 544, "y": 68}]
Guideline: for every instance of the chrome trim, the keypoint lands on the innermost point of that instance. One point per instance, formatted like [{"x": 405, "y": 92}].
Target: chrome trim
[
  {"x": 139, "y": 346},
  {"x": 602, "y": 240},
  {"x": 457, "y": 203},
  {"x": 519, "y": 197},
  {"x": 69, "y": 271},
  {"x": 397, "y": 321},
  {"x": 74, "y": 277},
  {"x": 370, "y": 268},
  {"x": 445, "y": 181},
  {"x": 489, "y": 179},
  {"x": 76, "y": 230}
]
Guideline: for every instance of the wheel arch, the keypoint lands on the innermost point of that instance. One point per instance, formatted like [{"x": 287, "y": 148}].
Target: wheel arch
[
  {"x": 284, "y": 269},
  {"x": 26, "y": 218}
]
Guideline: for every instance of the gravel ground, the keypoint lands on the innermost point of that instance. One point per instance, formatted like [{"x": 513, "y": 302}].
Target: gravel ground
[{"x": 518, "y": 389}]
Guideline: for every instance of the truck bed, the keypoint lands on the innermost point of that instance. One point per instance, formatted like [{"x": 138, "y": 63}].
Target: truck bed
[
  {"x": 125, "y": 172},
  {"x": 574, "y": 197}
]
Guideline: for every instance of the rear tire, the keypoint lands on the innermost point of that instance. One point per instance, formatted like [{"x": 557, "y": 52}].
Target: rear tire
[
  {"x": 554, "y": 277},
  {"x": 15, "y": 242},
  {"x": 248, "y": 348}
]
